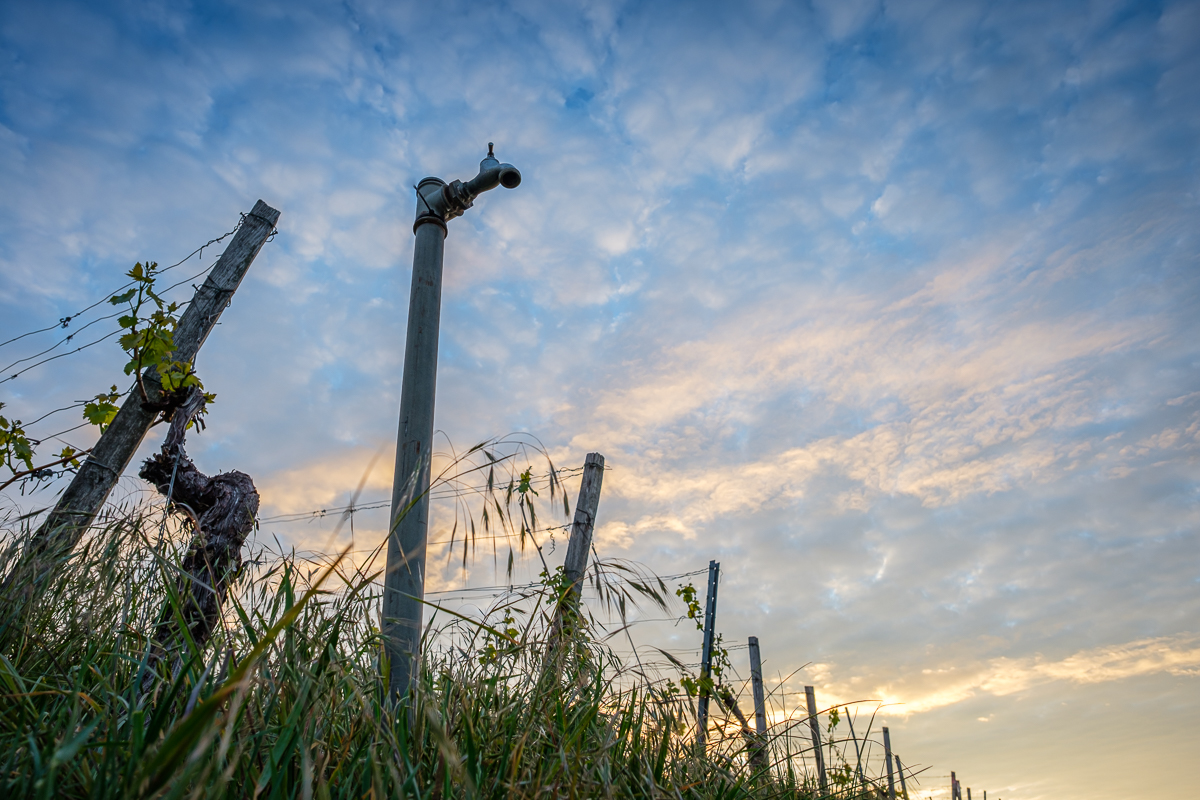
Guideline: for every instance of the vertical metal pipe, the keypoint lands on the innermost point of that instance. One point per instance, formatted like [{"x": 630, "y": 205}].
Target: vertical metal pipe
[
  {"x": 814, "y": 725},
  {"x": 404, "y": 580},
  {"x": 887, "y": 752},
  {"x": 710, "y": 623},
  {"x": 903, "y": 786}
]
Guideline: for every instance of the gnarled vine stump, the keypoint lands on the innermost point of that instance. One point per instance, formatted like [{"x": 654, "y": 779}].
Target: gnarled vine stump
[{"x": 222, "y": 510}]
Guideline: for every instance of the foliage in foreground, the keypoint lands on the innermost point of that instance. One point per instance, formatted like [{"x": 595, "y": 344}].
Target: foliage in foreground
[{"x": 286, "y": 702}]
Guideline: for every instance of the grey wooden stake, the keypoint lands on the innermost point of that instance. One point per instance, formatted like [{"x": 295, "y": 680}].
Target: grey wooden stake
[
  {"x": 758, "y": 755},
  {"x": 580, "y": 544},
  {"x": 887, "y": 752},
  {"x": 90, "y": 487},
  {"x": 710, "y": 624},
  {"x": 583, "y": 526},
  {"x": 953, "y": 786},
  {"x": 438, "y": 202},
  {"x": 903, "y": 787},
  {"x": 814, "y": 725}
]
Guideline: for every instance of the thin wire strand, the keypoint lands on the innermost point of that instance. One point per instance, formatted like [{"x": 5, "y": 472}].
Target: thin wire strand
[{"x": 65, "y": 321}]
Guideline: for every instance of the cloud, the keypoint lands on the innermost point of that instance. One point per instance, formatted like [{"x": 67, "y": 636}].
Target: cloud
[
  {"x": 939, "y": 687},
  {"x": 893, "y": 309}
]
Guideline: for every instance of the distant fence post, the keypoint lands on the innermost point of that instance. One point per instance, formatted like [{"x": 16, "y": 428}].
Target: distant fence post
[
  {"x": 887, "y": 752},
  {"x": 953, "y": 786},
  {"x": 814, "y": 725},
  {"x": 710, "y": 623},
  {"x": 90, "y": 487},
  {"x": 968, "y": 793},
  {"x": 903, "y": 787},
  {"x": 758, "y": 755}
]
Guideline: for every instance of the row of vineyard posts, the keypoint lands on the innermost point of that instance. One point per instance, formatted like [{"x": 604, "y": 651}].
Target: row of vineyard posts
[
  {"x": 575, "y": 568},
  {"x": 92, "y": 484}
]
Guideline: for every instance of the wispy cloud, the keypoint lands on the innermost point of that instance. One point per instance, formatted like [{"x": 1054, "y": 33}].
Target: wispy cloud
[{"x": 892, "y": 308}]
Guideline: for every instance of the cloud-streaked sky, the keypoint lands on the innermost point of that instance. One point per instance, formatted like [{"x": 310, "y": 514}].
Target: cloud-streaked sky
[{"x": 891, "y": 308}]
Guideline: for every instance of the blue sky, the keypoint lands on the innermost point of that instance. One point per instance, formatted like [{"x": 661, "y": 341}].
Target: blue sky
[{"x": 890, "y": 308}]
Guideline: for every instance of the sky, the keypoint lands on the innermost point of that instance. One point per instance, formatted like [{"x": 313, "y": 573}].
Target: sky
[{"x": 893, "y": 309}]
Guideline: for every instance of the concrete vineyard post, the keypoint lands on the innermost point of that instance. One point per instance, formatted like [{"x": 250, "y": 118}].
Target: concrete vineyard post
[
  {"x": 758, "y": 756},
  {"x": 814, "y": 725}
]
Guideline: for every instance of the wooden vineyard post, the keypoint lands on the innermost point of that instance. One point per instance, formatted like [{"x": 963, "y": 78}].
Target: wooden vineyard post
[
  {"x": 582, "y": 528},
  {"x": 90, "y": 487},
  {"x": 814, "y": 725},
  {"x": 887, "y": 753},
  {"x": 953, "y": 786},
  {"x": 903, "y": 787},
  {"x": 968, "y": 793},
  {"x": 758, "y": 755},
  {"x": 710, "y": 623},
  {"x": 580, "y": 544}
]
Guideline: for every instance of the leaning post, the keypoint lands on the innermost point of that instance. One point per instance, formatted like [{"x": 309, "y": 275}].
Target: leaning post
[
  {"x": 566, "y": 613},
  {"x": 438, "y": 202},
  {"x": 583, "y": 526},
  {"x": 90, "y": 487}
]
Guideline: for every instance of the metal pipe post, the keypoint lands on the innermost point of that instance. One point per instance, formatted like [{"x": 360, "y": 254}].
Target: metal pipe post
[
  {"x": 404, "y": 580},
  {"x": 710, "y": 623}
]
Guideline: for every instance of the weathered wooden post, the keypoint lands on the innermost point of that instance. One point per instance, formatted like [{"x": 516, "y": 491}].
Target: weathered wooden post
[
  {"x": 710, "y": 624},
  {"x": 758, "y": 755},
  {"x": 90, "y": 487},
  {"x": 583, "y": 526},
  {"x": 814, "y": 726},
  {"x": 438, "y": 202},
  {"x": 887, "y": 752},
  {"x": 575, "y": 564},
  {"x": 953, "y": 786}
]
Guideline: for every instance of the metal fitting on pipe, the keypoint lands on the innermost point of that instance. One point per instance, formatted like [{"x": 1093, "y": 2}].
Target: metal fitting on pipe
[{"x": 439, "y": 202}]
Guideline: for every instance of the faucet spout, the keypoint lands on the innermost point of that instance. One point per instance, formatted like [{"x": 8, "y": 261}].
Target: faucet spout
[{"x": 440, "y": 202}]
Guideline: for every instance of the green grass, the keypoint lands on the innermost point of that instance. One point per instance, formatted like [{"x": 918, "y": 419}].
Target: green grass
[{"x": 286, "y": 701}]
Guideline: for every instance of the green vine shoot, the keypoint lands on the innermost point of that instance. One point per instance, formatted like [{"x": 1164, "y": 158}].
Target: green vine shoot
[{"x": 149, "y": 341}]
